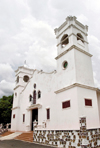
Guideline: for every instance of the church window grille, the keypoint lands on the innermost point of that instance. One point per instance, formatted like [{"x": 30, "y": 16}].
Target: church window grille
[
  {"x": 80, "y": 37},
  {"x": 30, "y": 98},
  {"x": 64, "y": 40},
  {"x": 66, "y": 104},
  {"x": 34, "y": 85},
  {"x": 34, "y": 97},
  {"x": 39, "y": 94},
  {"x": 23, "y": 117},
  {"x": 13, "y": 116},
  {"x": 48, "y": 113},
  {"x": 88, "y": 102}
]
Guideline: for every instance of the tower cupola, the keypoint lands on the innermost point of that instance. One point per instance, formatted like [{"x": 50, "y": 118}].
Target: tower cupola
[{"x": 71, "y": 33}]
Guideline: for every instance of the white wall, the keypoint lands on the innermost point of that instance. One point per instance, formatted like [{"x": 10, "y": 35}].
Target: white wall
[
  {"x": 59, "y": 118},
  {"x": 46, "y": 84},
  {"x": 90, "y": 112},
  {"x": 14, "y": 121},
  {"x": 67, "y": 118},
  {"x": 66, "y": 77},
  {"x": 83, "y": 66}
]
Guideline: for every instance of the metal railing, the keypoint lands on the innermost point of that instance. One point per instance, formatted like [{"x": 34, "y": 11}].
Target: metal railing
[{"x": 4, "y": 128}]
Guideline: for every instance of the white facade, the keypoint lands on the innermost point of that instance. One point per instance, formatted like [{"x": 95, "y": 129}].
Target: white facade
[{"x": 72, "y": 83}]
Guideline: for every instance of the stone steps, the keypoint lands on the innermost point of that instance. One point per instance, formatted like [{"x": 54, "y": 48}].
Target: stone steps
[{"x": 26, "y": 137}]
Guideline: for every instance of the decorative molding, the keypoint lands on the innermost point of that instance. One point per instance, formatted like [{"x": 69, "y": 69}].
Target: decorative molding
[
  {"x": 80, "y": 30},
  {"x": 53, "y": 72},
  {"x": 63, "y": 25},
  {"x": 24, "y": 73},
  {"x": 58, "y": 29},
  {"x": 98, "y": 90},
  {"x": 73, "y": 27},
  {"x": 73, "y": 47},
  {"x": 41, "y": 71},
  {"x": 71, "y": 18},
  {"x": 17, "y": 107},
  {"x": 81, "y": 25},
  {"x": 24, "y": 68},
  {"x": 33, "y": 106},
  {"x": 75, "y": 85},
  {"x": 18, "y": 86}
]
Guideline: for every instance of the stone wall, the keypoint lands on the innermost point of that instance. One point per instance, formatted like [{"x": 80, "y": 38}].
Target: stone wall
[{"x": 82, "y": 138}]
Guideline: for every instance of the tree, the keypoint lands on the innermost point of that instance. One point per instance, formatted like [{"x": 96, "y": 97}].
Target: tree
[{"x": 5, "y": 109}]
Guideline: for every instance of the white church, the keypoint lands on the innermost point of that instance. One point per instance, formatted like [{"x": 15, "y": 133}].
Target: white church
[{"x": 61, "y": 102}]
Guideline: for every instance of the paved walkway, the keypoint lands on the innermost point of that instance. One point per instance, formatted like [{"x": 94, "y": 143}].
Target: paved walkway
[
  {"x": 11, "y": 136},
  {"x": 20, "y": 144}
]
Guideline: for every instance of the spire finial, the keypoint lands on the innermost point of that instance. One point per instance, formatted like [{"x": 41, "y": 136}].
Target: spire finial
[
  {"x": 25, "y": 62},
  {"x": 25, "y": 65}
]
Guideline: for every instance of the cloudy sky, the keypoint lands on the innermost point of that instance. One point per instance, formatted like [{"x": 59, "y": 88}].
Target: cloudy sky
[{"x": 27, "y": 33}]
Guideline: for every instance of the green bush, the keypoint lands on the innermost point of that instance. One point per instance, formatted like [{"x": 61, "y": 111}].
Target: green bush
[{"x": 5, "y": 109}]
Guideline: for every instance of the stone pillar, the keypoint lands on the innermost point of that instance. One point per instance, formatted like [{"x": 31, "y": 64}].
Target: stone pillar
[
  {"x": 83, "y": 132},
  {"x": 34, "y": 125}
]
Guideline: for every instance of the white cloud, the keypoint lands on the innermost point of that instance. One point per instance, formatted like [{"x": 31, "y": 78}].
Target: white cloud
[
  {"x": 6, "y": 88},
  {"x": 39, "y": 39},
  {"x": 93, "y": 40},
  {"x": 26, "y": 33},
  {"x": 93, "y": 5},
  {"x": 82, "y": 18},
  {"x": 6, "y": 72}
]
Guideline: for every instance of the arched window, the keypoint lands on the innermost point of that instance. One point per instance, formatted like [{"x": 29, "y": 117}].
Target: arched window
[
  {"x": 34, "y": 85},
  {"x": 15, "y": 94},
  {"x": 64, "y": 40},
  {"x": 34, "y": 97},
  {"x": 30, "y": 97},
  {"x": 80, "y": 37},
  {"x": 39, "y": 94},
  {"x": 17, "y": 79}
]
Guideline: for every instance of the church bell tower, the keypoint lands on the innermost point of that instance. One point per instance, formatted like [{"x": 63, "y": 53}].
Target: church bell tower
[
  {"x": 75, "y": 85},
  {"x": 73, "y": 57}
]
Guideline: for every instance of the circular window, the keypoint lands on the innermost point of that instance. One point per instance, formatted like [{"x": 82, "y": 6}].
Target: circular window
[
  {"x": 65, "y": 64},
  {"x": 26, "y": 78}
]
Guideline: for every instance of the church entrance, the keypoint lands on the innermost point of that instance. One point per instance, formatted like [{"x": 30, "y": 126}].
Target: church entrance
[{"x": 34, "y": 116}]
